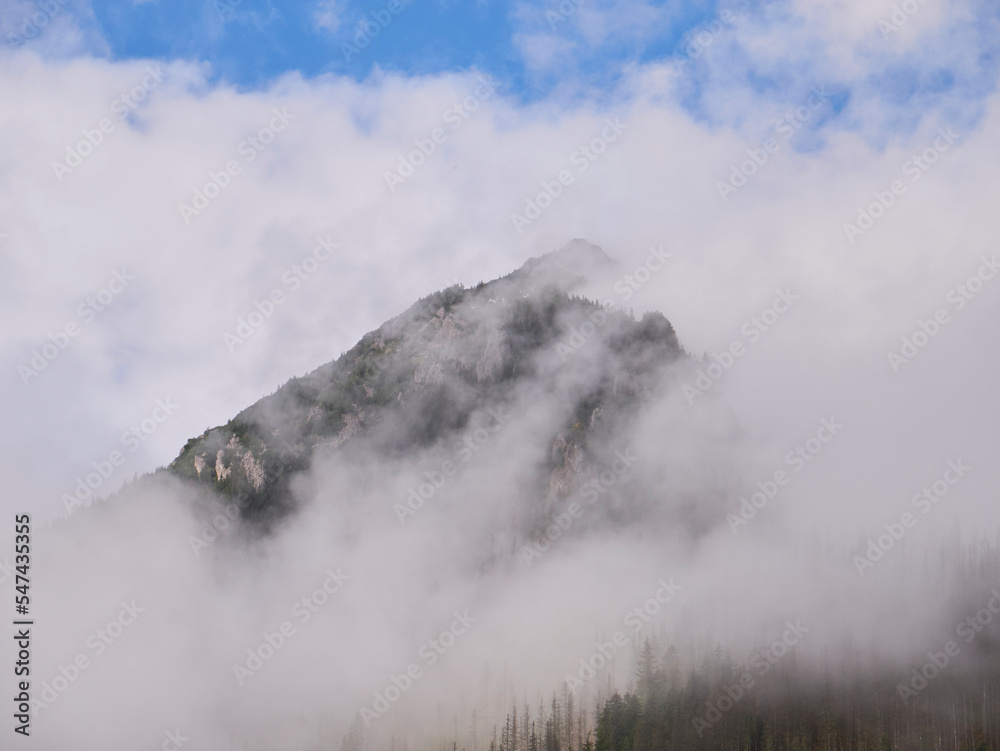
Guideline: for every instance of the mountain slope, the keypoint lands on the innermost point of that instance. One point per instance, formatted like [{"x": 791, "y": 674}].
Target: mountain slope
[{"x": 421, "y": 377}]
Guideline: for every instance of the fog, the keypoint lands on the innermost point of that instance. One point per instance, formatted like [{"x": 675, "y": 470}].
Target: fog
[
  {"x": 194, "y": 606},
  {"x": 533, "y": 570}
]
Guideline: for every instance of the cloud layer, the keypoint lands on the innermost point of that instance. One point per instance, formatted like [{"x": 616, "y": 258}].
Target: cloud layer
[{"x": 117, "y": 302}]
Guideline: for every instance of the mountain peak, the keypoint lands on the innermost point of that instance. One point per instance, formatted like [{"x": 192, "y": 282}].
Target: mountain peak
[
  {"x": 577, "y": 251},
  {"x": 568, "y": 267},
  {"x": 432, "y": 371}
]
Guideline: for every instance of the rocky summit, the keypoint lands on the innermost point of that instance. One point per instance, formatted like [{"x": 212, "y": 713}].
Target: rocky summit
[{"x": 431, "y": 372}]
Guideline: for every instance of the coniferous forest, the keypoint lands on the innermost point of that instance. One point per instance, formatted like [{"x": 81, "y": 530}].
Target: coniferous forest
[{"x": 666, "y": 709}]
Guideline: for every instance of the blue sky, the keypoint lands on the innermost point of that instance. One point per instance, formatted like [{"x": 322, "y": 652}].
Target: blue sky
[
  {"x": 746, "y": 67},
  {"x": 816, "y": 147},
  {"x": 871, "y": 201},
  {"x": 255, "y": 41},
  {"x": 745, "y": 52},
  {"x": 251, "y": 42}
]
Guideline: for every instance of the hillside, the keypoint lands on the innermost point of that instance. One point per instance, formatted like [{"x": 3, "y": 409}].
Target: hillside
[{"x": 425, "y": 374}]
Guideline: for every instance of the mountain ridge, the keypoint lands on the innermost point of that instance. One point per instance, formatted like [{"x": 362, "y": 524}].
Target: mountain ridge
[{"x": 421, "y": 376}]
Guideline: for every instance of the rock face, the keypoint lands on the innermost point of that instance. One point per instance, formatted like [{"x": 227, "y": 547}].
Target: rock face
[{"x": 421, "y": 376}]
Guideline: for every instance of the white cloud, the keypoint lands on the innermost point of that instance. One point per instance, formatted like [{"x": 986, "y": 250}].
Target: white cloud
[
  {"x": 323, "y": 174},
  {"x": 327, "y": 14},
  {"x": 53, "y": 28}
]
